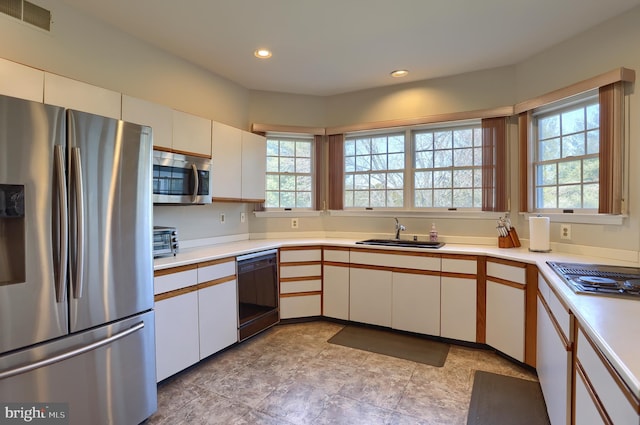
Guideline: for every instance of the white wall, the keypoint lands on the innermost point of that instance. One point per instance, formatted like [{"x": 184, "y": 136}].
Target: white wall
[
  {"x": 614, "y": 44},
  {"x": 83, "y": 48}
]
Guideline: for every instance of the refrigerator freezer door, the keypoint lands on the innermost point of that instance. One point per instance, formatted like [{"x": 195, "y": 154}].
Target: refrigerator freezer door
[
  {"x": 102, "y": 373},
  {"x": 31, "y": 223},
  {"x": 110, "y": 257}
]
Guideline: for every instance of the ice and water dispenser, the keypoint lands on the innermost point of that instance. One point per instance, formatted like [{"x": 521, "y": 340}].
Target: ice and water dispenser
[{"x": 12, "y": 236}]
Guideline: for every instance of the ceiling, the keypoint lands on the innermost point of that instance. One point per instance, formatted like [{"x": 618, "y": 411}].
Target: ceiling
[{"x": 327, "y": 47}]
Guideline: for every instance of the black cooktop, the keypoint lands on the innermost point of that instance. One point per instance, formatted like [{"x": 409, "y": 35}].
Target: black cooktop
[{"x": 599, "y": 279}]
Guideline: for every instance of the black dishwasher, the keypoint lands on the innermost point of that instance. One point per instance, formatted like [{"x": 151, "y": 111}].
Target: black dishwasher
[{"x": 257, "y": 292}]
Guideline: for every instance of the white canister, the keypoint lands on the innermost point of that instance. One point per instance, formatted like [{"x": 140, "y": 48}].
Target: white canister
[{"x": 539, "y": 234}]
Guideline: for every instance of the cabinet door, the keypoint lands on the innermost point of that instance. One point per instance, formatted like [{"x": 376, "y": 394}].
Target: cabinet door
[
  {"x": 458, "y": 308},
  {"x": 553, "y": 366},
  {"x": 156, "y": 116},
  {"x": 177, "y": 342},
  {"x": 21, "y": 81},
  {"x": 335, "y": 292},
  {"x": 254, "y": 166},
  {"x": 416, "y": 303},
  {"x": 505, "y": 319},
  {"x": 72, "y": 94},
  {"x": 302, "y": 305},
  {"x": 370, "y": 296},
  {"x": 586, "y": 412},
  {"x": 191, "y": 134},
  {"x": 218, "y": 317},
  {"x": 226, "y": 151}
]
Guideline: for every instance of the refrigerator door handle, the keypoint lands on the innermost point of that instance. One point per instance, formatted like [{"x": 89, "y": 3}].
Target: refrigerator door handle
[
  {"x": 196, "y": 183},
  {"x": 71, "y": 353},
  {"x": 63, "y": 220},
  {"x": 79, "y": 213}
]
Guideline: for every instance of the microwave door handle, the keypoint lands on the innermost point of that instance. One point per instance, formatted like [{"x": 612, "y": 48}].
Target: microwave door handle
[
  {"x": 79, "y": 210},
  {"x": 62, "y": 239},
  {"x": 196, "y": 184}
]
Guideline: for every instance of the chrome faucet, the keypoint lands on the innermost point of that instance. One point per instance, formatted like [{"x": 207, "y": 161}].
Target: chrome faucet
[{"x": 399, "y": 227}]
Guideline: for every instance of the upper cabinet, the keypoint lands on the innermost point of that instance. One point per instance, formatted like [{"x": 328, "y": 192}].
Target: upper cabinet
[
  {"x": 158, "y": 117},
  {"x": 191, "y": 134},
  {"x": 73, "y": 94},
  {"x": 226, "y": 149},
  {"x": 254, "y": 166},
  {"x": 239, "y": 164},
  {"x": 21, "y": 81}
]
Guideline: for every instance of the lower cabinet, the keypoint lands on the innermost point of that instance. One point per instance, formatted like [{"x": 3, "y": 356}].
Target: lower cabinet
[
  {"x": 300, "y": 305},
  {"x": 601, "y": 396},
  {"x": 335, "y": 293},
  {"x": 218, "y": 317},
  {"x": 553, "y": 363},
  {"x": 506, "y": 318},
  {"x": 416, "y": 303},
  {"x": 458, "y": 308},
  {"x": 370, "y": 296},
  {"x": 177, "y": 337}
]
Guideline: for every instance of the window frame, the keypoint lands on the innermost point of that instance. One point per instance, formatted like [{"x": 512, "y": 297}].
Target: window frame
[
  {"x": 291, "y": 137},
  {"x": 409, "y": 170}
]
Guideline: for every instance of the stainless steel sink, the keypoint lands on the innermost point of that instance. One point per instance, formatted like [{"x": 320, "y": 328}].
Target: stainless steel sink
[{"x": 403, "y": 243}]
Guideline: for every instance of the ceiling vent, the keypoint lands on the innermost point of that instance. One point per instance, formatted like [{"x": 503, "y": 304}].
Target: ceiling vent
[{"x": 27, "y": 12}]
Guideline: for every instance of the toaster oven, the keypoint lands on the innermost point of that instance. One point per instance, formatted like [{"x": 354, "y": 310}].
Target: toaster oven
[{"x": 165, "y": 241}]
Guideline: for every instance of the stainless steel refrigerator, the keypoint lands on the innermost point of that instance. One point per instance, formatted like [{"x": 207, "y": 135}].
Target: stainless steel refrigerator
[{"x": 76, "y": 266}]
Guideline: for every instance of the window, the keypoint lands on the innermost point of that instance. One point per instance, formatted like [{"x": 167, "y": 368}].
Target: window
[
  {"x": 289, "y": 180},
  {"x": 374, "y": 171},
  {"x": 441, "y": 168},
  {"x": 448, "y": 167},
  {"x": 566, "y": 161}
]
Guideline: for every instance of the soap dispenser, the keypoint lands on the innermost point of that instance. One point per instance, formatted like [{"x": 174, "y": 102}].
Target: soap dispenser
[{"x": 433, "y": 234}]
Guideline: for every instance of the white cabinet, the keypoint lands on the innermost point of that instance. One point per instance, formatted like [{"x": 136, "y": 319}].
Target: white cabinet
[
  {"x": 177, "y": 341},
  {"x": 416, "y": 303},
  {"x": 176, "y": 308},
  {"x": 300, "y": 282},
  {"x": 217, "y": 306},
  {"x": 458, "y": 298},
  {"x": 586, "y": 412},
  {"x": 191, "y": 134},
  {"x": 553, "y": 354},
  {"x": 156, "y": 116},
  {"x": 601, "y": 389},
  {"x": 21, "y": 81},
  {"x": 226, "y": 150},
  {"x": 370, "y": 296},
  {"x": 458, "y": 306},
  {"x": 335, "y": 283},
  {"x": 505, "y": 315},
  {"x": 254, "y": 166},
  {"x": 73, "y": 94},
  {"x": 505, "y": 319}
]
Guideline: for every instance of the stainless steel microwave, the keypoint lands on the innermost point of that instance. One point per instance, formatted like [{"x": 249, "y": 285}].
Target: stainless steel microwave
[{"x": 181, "y": 179}]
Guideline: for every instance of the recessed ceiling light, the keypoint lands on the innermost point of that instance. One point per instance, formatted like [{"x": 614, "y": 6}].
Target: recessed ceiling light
[
  {"x": 262, "y": 53},
  {"x": 399, "y": 73}
]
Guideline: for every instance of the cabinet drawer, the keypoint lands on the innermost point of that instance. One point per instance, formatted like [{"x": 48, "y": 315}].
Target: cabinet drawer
[
  {"x": 216, "y": 271},
  {"x": 609, "y": 390},
  {"x": 302, "y": 306},
  {"x": 338, "y": 256},
  {"x": 300, "y": 255},
  {"x": 171, "y": 281},
  {"x": 395, "y": 260},
  {"x": 507, "y": 272},
  {"x": 300, "y": 286},
  {"x": 459, "y": 266},
  {"x": 300, "y": 271}
]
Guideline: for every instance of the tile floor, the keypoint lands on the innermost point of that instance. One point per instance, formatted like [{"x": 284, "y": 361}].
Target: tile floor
[{"x": 290, "y": 374}]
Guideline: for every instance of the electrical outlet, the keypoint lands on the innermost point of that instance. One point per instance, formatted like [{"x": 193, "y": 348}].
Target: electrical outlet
[
  {"x": 294, "y": 223},
  {"x": 222, "y": 218},
  {"x": 243, "y": 217},
  {"x": 565, "y": 231}
]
